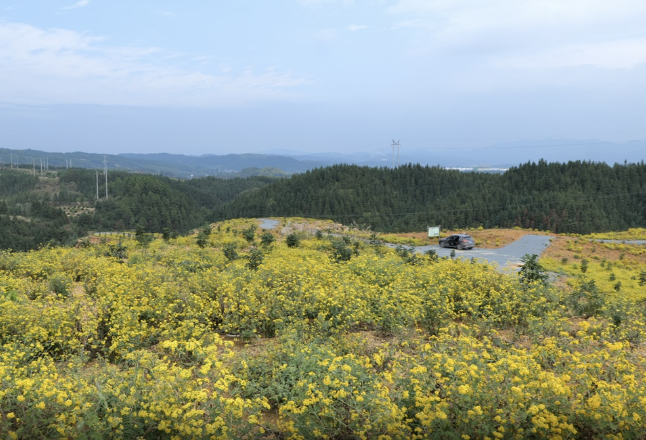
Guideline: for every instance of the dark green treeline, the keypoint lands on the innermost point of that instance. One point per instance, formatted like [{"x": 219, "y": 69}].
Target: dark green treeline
[
  {"x": 31, "y": 207},
  {"x": 575, "y": 197},
  {"x": 579, "y": 197},
  {"x": 27, "y": 218},
  {"x": 154, "y": 202}
]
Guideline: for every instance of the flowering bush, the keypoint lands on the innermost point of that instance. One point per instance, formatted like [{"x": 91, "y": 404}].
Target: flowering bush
[{"x": 153, "y": 346}]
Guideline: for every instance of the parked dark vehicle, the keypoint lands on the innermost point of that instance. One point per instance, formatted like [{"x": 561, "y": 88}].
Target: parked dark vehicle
[{"x": 459, "y": 241}]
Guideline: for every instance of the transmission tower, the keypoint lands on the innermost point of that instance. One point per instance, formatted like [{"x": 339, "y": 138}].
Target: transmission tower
[{"x": 396, "y": 144}]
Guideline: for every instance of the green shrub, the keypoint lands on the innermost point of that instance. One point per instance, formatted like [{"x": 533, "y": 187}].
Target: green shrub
[
  {"x": 255, "y": 258},
  {"x": 118, "y": 251},
  {"x": 532, "y": 271},
  {"x": 340, "y": 251},
  {"x": 267, "y": 238},
  {"x": 586, "y": 300},
  {"x": 60, "y": 285},
  {"x": 292, "y": 240},
  {"x": 249, "y": 234},
  {"x": 202, "y": 239},
  {"x": 230, "y": 252},
  {"x": 432, "y": 255}
]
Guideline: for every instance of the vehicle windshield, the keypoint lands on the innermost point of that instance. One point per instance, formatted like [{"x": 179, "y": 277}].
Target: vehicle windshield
[{"x": 467, "y": 236}]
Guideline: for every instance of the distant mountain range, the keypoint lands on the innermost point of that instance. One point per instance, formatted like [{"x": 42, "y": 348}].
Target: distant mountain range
[
  {"x": 502, "y": 155},
  {"x": 285, "y": 162},
  {"x": 171, "y": 165}
]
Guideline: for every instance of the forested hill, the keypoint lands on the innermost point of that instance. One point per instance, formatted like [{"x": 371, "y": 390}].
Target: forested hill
[
  {"x": 579, "y": 197},
  {"x": 62, "y": 205},
  {"x": 153, "y": 202}
]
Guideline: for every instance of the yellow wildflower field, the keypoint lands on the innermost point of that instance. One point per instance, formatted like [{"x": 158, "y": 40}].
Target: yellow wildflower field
[{"x": 246, "y": 337}]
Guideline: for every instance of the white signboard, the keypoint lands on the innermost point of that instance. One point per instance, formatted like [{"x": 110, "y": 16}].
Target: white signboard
[{"x": 433, "y": 231}]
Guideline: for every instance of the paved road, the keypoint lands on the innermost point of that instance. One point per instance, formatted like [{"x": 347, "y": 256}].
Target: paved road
[
  {"x": 129, "y": 234},
  {"x": 267, "y": 223},
  {"x": 506, "y": 256},
  {"x": 622, "y": 241}
]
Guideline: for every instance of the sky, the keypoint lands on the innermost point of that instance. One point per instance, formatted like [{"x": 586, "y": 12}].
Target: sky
[{"x": 220, "y": 77}]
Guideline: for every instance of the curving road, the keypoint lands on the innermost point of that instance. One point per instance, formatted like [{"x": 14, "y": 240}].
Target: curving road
[{"x": 507, "y": 256}]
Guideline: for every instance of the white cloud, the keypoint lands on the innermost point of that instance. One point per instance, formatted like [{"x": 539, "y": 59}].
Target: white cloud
[
  {"x": 621, "y": 54},
  {"x": 356, "y": 27},
  {"x": 78, "y": 4},
  {"x": 62, "y": 66},
  {"x": 527, "y": 33}
]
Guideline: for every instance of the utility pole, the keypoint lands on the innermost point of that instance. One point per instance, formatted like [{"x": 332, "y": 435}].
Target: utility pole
[
  {"x": 105, "y": 171},
  {"x": 33, "y": 165},
  {"x": 41, "y": 167},
  {"x": 97, "y": 184}
]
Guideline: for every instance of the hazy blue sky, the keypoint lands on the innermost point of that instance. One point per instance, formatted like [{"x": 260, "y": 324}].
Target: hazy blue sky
[{"x": 317, "y": 75}]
